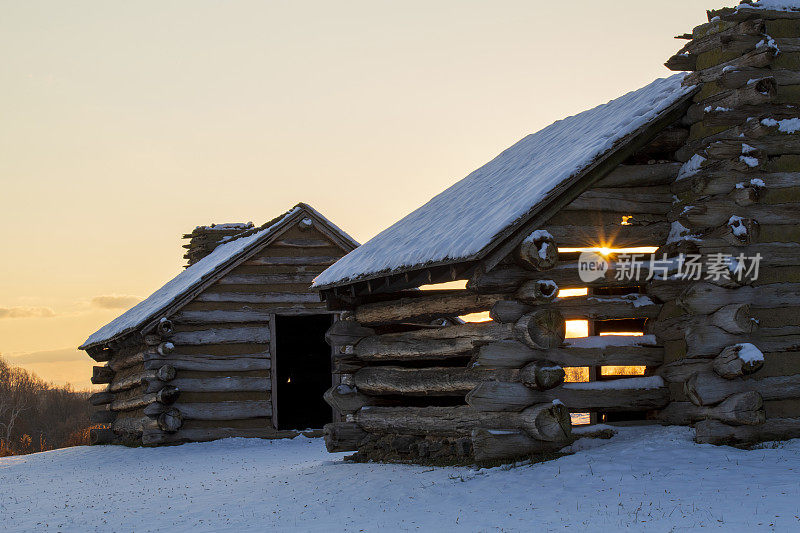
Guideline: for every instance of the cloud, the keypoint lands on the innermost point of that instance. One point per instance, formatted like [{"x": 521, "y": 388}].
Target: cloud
[
  {"x": 115, "y": 301},
  {"x": 49, "y": 356},
  {"x": 26, "y": 312}
]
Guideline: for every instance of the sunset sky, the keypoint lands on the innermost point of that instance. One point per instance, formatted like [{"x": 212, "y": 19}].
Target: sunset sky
[{"x": 125, "y": 124}]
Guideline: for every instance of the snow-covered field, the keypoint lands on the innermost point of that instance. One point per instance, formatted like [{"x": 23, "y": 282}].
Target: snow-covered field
[{"x": 652, "y": 478}]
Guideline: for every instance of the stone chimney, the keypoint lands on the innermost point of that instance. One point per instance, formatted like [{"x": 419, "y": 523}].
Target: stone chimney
[{"x": 203, "y": 239}]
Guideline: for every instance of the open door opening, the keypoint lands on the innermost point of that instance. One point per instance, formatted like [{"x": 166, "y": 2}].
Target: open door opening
[{"x": 302, "y": 366}]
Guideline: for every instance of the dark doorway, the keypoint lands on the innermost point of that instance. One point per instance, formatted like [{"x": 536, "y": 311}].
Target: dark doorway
[{"x": 302, "y": 370}]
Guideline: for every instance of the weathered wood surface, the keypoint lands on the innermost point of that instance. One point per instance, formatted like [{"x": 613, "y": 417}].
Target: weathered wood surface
[
  {"x": 217, "y": 316},
  {"x": 225, "y": 410},
  {"x": 706, "y": 298},
  {"x": 344, "y": 332},
  {"x": 744, "y": 408},
  {"x": 596, "y": 396},
  {"x": 300, "y": 278},
  {"x": 716, "y": 211},
  {"x": 612, "y": 235},
  {"x": 716, "y": 432},
  {"x": 157, "y": 436},
  {"x": 347, "y": 400},
  {"x": 251, "y": 334},
  {"x": 103, "y": 416},
  {"x": 550, "y": 422},
  {"x": 343, "y": 436},
  {"x": 438, "y": 343},
  {"x": 508, "y": 278},
  {"x": 625, "y": 176},
  {"x": 541, "y": 329},
  {"x": 491, "y": 445},
  {"x": 434, "y": 381},
  {"x": 538, "y": 252},
  {"x": 656, "y": 200},
  {"x": 512, "y": 354},
  {"x": 101, "y": 398},
  {"x": 212, "y": 362},
  {"x": 222, "y": 384},
  {"x": 166, "y": 396},
  {"x": 730, "y": 364},
  {"x": 163, "y": 373},
  {"x": 537, "y": 292},
  {"x": 426, "y": 307},
  {"x": 299, "y": 260},
  {"x": 583, "y": 307},
  {"x": 98, "y": 436},
  {"x": 707, "y": 388},
  {"x": 450, "y": 381},
  {"x": 101, "y": 375},
  {"x": 707, "y": 341}
]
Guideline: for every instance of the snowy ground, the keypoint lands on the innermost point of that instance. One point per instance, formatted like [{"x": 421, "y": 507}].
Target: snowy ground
[{"x": 653, "y": 479}]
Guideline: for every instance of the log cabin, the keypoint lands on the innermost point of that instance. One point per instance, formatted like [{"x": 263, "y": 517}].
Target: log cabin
[
  {"x": 702, "y": 167},
  {"x": 234, "y": 345}
]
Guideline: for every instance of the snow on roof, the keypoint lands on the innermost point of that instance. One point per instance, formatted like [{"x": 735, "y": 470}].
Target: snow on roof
[
  {"x": 774, "y": 5},
  {"x": 463, "y": 220},
  {"x": 192, "y": 277}
]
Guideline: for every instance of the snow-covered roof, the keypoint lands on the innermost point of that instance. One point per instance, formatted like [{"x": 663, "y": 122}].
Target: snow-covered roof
[
  {"x": 203, "y": 272},
  {"x": 774, "y": 5},
  {"x": 463, "y": 221}
]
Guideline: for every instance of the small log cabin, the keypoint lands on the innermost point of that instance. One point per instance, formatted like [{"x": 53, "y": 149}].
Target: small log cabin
[
  {"x": 232, "y": 346},
  {"x": 704, "y": 165}
]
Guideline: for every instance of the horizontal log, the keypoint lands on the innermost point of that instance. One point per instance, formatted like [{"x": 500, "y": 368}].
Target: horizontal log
[
  {"x": 542, "y": 329},
  {"x": 708, "y": 341},
  {"x": 706, "y": 298},
  {"x": 101, "y": 398},
  {"x": 445, "y": 381},
  {"x": 344, "y": 332},
  {"x": 166, "y": 396},
  {"x": 438, "y": 343},
  {"x": 216, "y": 316},
  {"x": 343, "y": 436},
  {"x": 550, "y": 422},
  {"x": 736, "y": 78},
  {"x": 300, "y": 260},
  {"x": 225, "y": 410},
  {"x": 99, "y": 436},
  {"x": 132, "y": 426},
  {"x": 493, "y": 445},
  {"x": 738, "y": 360},
  {"x": 611, "y": 235},
  {"x": 222, "y": 384},
  {"x": 638, "y": 176},
  {"x": 707, "y": 388},
  {"x": 255, "y": 335},
  {"x": 424, "y": 308},
  {"x": 163, "y": 373},
  {"x": 596, "y": 307},
  {"x": 757, "y": 58},
  {"x": 348, "y": 400},
  {"x": 258, "y": 297},
  {"x": 302, "y": 278},
  {"x": 102, "y": 374},
  {"x": 103, "y": 416},
  {"x": 715, "y": 432},
  {"x": 213, "y": 363},
  {"x": 654, "y": 200},
  {"x": 746, "y": 408},
  {"x": 632, "y": 394},
  {"x": 717, "y": 211},
  {"x": 512, "y": 354},
  {"x": 441, "y": 381},
  {"x": 156, "y": 436},
  {"x": 566, "y": 275}
]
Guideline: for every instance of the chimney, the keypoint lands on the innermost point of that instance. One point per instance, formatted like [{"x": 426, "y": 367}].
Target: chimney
[{"x": 203, "y": 239}]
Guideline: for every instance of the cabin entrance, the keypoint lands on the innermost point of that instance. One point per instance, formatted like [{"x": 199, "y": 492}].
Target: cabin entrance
[{"x": 302, "y": 366}]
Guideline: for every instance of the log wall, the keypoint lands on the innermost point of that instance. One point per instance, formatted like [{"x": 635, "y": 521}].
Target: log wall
[
  {"x": 205, "y": 372},
  {"x": 731, "y": 345}
]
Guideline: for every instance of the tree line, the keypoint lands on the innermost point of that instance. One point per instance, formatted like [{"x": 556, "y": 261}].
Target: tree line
[{"x": 38, "y": 416}]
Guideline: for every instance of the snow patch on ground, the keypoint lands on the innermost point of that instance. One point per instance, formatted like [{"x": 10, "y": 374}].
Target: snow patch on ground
[{"x": 643, "y": 479}]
